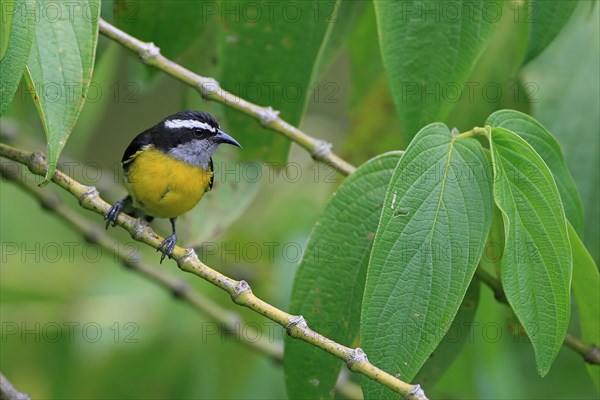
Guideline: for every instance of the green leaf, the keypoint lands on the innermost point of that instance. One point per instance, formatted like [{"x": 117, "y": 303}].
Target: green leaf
[
  {"x": 98, "y": 101},
  {"x": 577, "y": 96},
  {"x": 271, "y": 61},
  {"x": 435, "y": 220},
  {"x": 380, "y": 122},
  {"x": 586, "y": 289},
  {"x": 60, "y": 69},
  {"x": 494, "y": 246},
  {"x": 344, "y": 19},
  {"x": 171, "y": 25},
  {"x": 235, "y": 187},
  {"x": 548, "y": 148},
  {"x": 18, "y": 29},
  {"x": 370, "y": 90},
  {"x": 328, "y": 286},
  {"x": 452, "y": 343},
  {"x": 546, "y": 18},
  {"x": 363, "y": 44},
  {"x": 536, "y": 265},
  {"x": 428, "y": 53},
  {"x": 493, "y": 83},
  {"x": 7, "y": 10}
]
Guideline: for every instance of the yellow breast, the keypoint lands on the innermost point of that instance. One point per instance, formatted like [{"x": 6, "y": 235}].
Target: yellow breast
[{"x": 163, "y": 186}]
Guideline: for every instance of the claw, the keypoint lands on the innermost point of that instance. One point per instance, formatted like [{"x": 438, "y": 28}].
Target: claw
[
  {"x": 113, "y": 213},
  {"x": 167, "y": 246}
]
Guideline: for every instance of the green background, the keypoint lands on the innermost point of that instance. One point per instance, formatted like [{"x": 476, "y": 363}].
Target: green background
[{"x": 152, "y": 346}]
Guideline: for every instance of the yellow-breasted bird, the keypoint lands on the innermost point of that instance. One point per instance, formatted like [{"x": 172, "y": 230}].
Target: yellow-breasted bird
[{"x": 168, "y": 168}]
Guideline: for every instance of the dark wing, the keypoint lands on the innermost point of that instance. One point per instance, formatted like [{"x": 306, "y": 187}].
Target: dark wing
[
  {"x": 212, "y": 175},
  {"x": 135, "y": 147}
]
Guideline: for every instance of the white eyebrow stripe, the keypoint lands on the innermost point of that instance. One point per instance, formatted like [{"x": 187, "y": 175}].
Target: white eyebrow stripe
[{"x": 188, "y": 123}]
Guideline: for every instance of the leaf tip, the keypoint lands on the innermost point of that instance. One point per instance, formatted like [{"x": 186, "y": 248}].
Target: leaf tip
[{"x": 44, "y": 182}]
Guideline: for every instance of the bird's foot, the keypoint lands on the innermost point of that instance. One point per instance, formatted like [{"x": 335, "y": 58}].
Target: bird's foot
[
  {"x": 113, "y": 213},
  {"x": 167, "y": 246}
]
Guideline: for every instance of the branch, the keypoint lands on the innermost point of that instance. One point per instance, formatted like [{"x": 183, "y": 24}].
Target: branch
[
  {"x": 589, "y": 352},
  {"x": 240, "y": 291},
  {"x": 210, "y": 89},
  {"x": 230, "y": 322},
  {"x": 493, "y": 283},
  {"x": 8, "y": 391}
]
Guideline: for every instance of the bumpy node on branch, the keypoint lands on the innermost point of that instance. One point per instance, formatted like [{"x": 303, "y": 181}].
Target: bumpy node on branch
[
  {"x": 357, "y": 355},
  {"x": 90, "y": 194},
  {"x": 322, "y": 148},
  {"x": 189, "y": 257},
  {"x": 268, "y": 115},
  {"x": 416, "y": 393},
  {"x": 241, "y": 287},
  {"x": 208, "y": 87},
  {"x": 295, "y": 321},
  {"x": 150, "y": 51}
]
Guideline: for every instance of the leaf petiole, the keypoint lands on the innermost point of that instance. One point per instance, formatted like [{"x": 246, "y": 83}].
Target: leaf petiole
[{"x": 476, "y": 131}]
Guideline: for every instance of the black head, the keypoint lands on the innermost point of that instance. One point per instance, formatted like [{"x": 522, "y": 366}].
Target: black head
[
  {"x": 190, "y": 119},
  {"x": 191, "y": 136},
  {"x": 196, "y": 124}
]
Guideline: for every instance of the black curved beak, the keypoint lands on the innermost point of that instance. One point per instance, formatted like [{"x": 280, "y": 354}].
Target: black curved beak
[{"x": 222, "y": 137}]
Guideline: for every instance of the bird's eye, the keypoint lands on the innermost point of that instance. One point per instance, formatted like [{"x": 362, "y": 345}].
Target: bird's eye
[{"x": 198, "y": 132}]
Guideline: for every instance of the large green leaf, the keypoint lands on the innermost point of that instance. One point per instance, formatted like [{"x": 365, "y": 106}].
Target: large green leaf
[
  {"x": 329, "y": 284},
  {"x": 567, "y": 103},
  {"x": 449, "y": 348},
  {"x": 363, "y": 44},
  {"x": 370, "y": 91},
  {"x": 235, "y": 186},
  {"x": 492, "y": 85},
  {"x": 546, "y": 19},
  {"x": 99, "y": 100},
  {"x": 429, "y": 48},
  {"x": 548, "y": 148},
  {"x": 379, "y": 122},
  {"x": 60, "y": 69},
  {"x": 536, "y": 265},
  {"x": 18, "y": 28},
  {"x": 435, "y": 220},
  {"x": 344, "y": 19},
  {"x": 494, "y": 246},
  {"x": 586, "y": 289},
  {"x": 171, "y": 25},
  {"x": 6, "y": 16},
  {"x": 270, "y": 61},
  {"x": 7, "y": 11}
]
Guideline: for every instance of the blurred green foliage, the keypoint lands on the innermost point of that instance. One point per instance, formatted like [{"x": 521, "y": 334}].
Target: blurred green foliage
[{"x": 75, "y": 324}]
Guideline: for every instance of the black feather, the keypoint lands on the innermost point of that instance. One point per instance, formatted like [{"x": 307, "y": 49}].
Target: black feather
[
  {"x": 211, "y": 169},
  {"x": 141, "y": 140},
  {"x": 197, "y": 115}
]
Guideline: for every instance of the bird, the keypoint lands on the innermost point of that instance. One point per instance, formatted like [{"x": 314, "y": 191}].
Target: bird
[{"x": 168, "y": 168}]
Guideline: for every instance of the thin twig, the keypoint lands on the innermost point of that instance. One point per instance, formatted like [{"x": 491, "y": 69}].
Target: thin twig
[
  {"x": 240, "y": 291},
  {"x": 210, "y": 89},
  {"x": 8, "y": 391},
  {"x": 589, "y": 352},
  {"x": 493, "y": 283}
]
